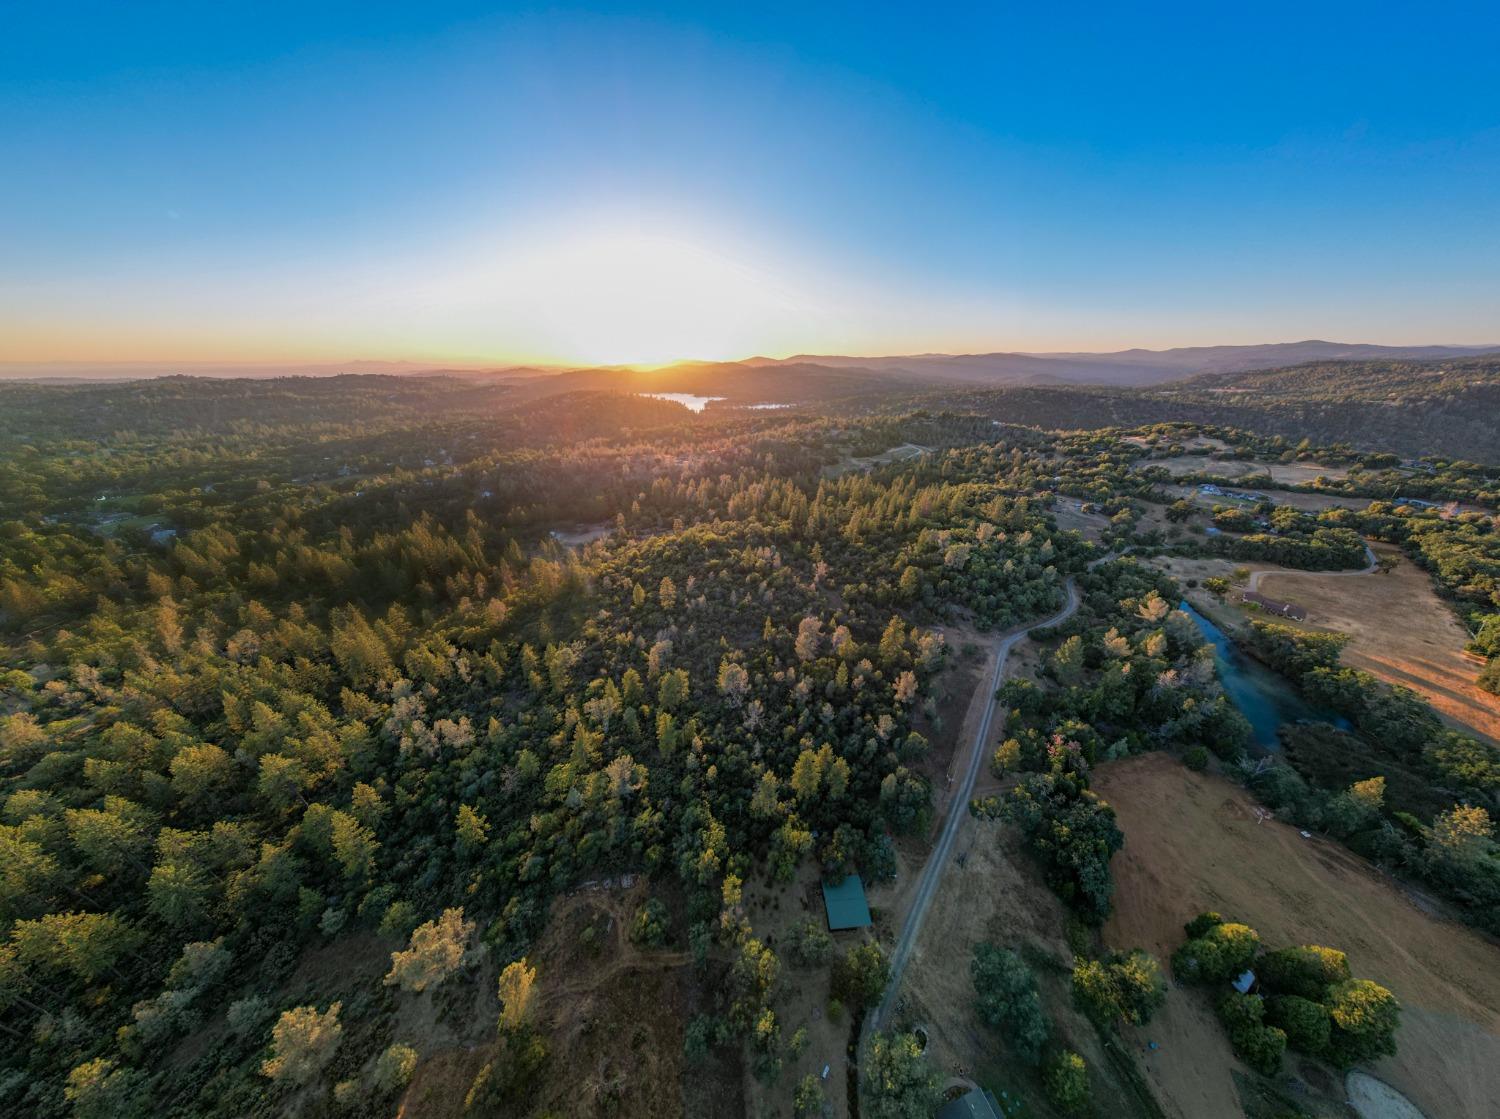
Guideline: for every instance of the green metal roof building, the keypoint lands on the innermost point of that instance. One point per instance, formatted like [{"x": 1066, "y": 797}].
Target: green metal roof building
[
  {"x": 974, "y": 1104},
  {"x": 846, "y": 905}
]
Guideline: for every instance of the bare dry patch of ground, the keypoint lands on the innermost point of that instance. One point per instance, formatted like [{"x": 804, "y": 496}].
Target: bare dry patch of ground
[
  {"x": 894, "y": 454},
  {"x": 614, "y": 1011},
  {"x": 1192, "y": 842},
  {"x": 442, "y": 1081},
  {"x": 1303, "y": 473},
  {"x": 612, "y": 1014},
  {"x": 1199, "y": 464},
  {"x": 802, "y": 995},
  {"x": 1317, "y": 502},
  {"x": 1200, "y": 444},
  {"x": 1070, "y": 517},
  {"x": 1374, "y": 1099},
  {"x": 960, "y": 693},
  {"x": 579, "y": 535},
  {"x": 996, "y": 895},
  {"x": 1285, "y": 473},
  {"x": 1400, "y": 632},
  {"x": 1184, "y": 568},
  {"x": 1307, "y": 502}
]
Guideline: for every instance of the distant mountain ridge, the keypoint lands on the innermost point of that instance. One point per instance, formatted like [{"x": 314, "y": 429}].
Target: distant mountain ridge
[{"x": 1136, "y": 367}]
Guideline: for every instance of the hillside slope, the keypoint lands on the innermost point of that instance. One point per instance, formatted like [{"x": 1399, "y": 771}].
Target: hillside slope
[
  {"x": 1125, "y": 368},
  {"x": 1408, "y": 408}
]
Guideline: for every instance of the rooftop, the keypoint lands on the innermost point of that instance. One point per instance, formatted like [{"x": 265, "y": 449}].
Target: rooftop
[
  {"x": 845, "y": 901},
  {"x": 974, "y": 1104}
]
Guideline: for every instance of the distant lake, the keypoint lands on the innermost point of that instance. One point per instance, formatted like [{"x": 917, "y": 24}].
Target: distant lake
[
  {"x": 1265, "y": 697},
  {"x": 686, "y": 399}
]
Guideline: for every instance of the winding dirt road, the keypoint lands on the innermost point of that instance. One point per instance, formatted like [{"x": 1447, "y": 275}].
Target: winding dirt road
[{"x": 958, "y": 806}]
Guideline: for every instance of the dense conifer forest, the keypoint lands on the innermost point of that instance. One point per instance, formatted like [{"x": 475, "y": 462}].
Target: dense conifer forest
[{"x": 287, "y": 664}]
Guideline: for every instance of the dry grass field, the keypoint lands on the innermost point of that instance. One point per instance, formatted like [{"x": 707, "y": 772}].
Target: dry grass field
[
  {"x": 1070, "y": 517},
  {"x": 613, "y": 1015},
  {"x": 1192, "y": 842},
  {"x": 1286, "y": 473},
  {"x": 997, "y": 895},
  {"x": 1307, "y": 502},
  {"x": 1400, "y": 632}
]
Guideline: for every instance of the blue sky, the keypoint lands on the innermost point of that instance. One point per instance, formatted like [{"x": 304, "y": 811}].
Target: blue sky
[{"x": 466, "y": 182}]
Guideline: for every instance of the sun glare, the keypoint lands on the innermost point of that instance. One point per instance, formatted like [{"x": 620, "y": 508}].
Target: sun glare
[{"x": 632, "y": 298}]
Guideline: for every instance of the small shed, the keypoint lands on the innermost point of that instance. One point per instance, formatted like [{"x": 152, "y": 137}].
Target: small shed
[
  {"x": 846, "y": 905},
  {"x": 973, "y": 1104}
]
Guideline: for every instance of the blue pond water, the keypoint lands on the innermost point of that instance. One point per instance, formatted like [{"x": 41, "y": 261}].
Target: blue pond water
[{"x": 1266, "y": 698}]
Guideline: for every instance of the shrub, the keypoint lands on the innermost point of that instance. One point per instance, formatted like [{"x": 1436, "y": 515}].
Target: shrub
[
  {"x": 809, "y": 944},
  {"x": 303, "y": 1042},
  {"x": 1284, "y": 789},
  {"x": 1306, "y": 1023},
  {"x": 1067, "y": 1083},
  {"x": 807, "y": 1100},
  {"x": 1308, "y": 971},
  {"x": 898, "y": 1080},
  {"x": 394, "y": 1068},
  {"x": 650, "y": 925},
  {"x": 246, "y": 1014},
  {"x": 1365, "y": 1017},
  {"x": 1122, "y": 988},
  {"x": 1006, "y": 999},
  {"x": 860, "y": 976},
  {"x": 1074, "y": 835},
  {"x": 507, "y": 1083},
  {"x": 1489, "y": 676},
  {"x": 1221, "y": 953},
  {"x": 1201, "y": 924},
  {"x": 1259, "y": 1045},
  {"x": 703, "y": 1034},
  {"x": 1196, "y": 759}
]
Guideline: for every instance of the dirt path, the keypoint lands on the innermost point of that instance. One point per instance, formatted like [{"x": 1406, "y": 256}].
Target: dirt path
[
  {"x": 932, "y": 871},
  {"x": 1374, "y": 1099},
  {"x": 1279, "y": 572}
]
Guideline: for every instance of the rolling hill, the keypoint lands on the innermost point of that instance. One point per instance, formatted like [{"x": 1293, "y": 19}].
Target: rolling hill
[{"x": 1135, "y": 367}]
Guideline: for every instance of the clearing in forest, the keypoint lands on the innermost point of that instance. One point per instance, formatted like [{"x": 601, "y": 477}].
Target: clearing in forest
[
  {"x": 1284, "y": 473},
  {"x": 1400, "y": 632},
  {"x": 1192, "y": 842}
]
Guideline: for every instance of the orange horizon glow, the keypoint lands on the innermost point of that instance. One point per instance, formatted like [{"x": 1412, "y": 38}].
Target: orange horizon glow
[{"x": 586, "y": 293}]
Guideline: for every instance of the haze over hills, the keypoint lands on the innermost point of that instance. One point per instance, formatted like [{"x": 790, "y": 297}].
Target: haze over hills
[
  {"x": 147, "y": 370},
  {"x": 1133, "y": 367},
  {"x": 1127, "y": 367}
]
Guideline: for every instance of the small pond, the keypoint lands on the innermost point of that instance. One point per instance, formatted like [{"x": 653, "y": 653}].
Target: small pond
[
  {"x": 691, "y": 402},
  {"x": 1265, "y": 697}
]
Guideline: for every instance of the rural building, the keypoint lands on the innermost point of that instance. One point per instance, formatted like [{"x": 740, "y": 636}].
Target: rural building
[
  {"x": 846, "y": 905},
  {"x": 1284, "y": 609},
  {"x": 974, "y": 1104}
]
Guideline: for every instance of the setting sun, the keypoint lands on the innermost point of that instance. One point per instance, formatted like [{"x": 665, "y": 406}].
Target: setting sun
[{"x": 636, "y": 298}]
